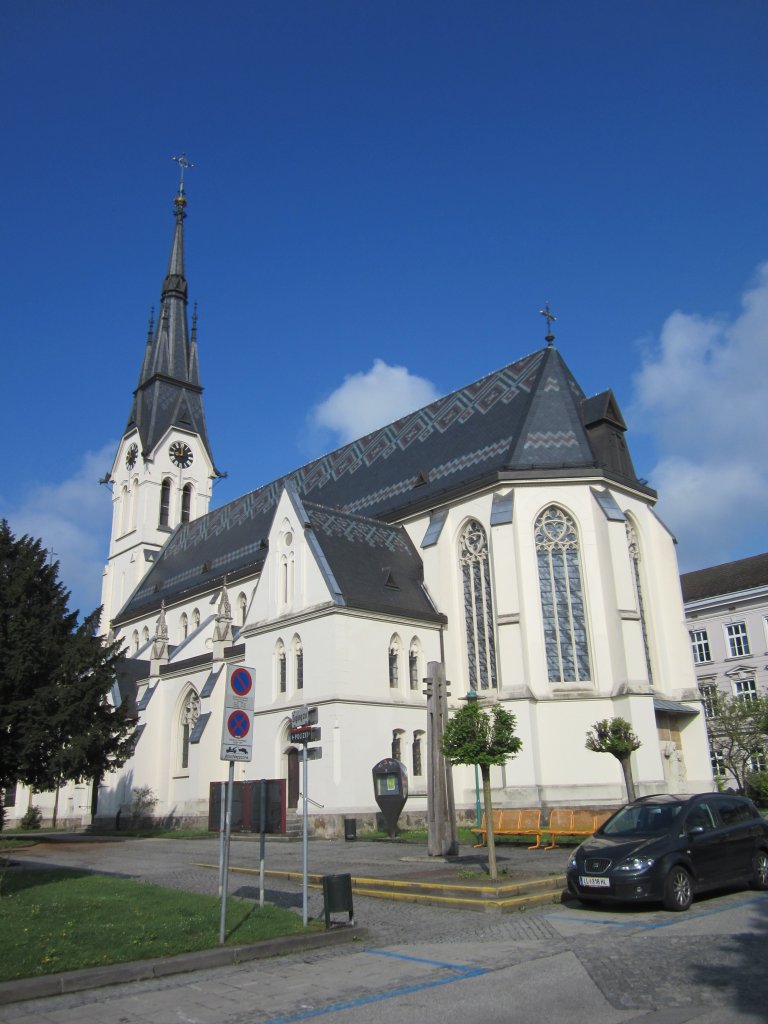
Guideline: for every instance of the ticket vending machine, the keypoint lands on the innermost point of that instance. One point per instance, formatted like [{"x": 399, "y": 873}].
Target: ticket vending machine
[{"x": 390, "y": 787}]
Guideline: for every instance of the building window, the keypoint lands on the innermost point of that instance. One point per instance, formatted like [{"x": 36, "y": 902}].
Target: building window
[
  {"x": 745, "y": 689},
  {"x": 184, "y": 626},
  {"x": 757, "y": 763},
  {"x": 299, "y": 663},
  {"x": 165, "y": 502},
  {"x": 195, "y": 618},
  {"x": 478, "y": 607},
  {"x": 634, "y": 555},
  {"x": 190, "y": 712},
  {"x": 145, "y": 635},
  {"x": 413, "y": 664},
  {"x": 418, "y": 751},
  {"x": 708, "y": 693},
  {"x": 282, "y": 671},
  {"x": 9, "y": 795},
  {"x": 186, "y": 503},
  {"x": 700, "y": 646},
  {"x": 738, "y": 641},
  {"x": 717, "y": 762},
  {"x": 135, "y": 641},
  {"x": 394, "y": 662},
  {"x": 562, "y": 598},
  {"x": 242, "y": 608},
  {"x": 397, "y": 744}
]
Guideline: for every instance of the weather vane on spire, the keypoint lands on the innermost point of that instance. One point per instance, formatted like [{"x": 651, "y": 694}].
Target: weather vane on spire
[
  {"x": 550, "y": 318},
  {"x": 184, "y": 164}
]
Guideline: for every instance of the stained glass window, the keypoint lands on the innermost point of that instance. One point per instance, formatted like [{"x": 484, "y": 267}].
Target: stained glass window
[
  {"x": 562, "y": 597},
  {"x": 478, "y": 607}
]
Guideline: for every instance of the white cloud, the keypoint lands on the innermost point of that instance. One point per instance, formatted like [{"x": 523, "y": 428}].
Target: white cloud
[
  {"x": 366, "y": 401},
  {"x": 701, "y": 395},
  {"x": 72, "y": 519}
]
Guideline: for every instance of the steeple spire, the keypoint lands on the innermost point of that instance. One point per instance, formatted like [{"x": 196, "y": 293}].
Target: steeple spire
[{"x": 169, "y": 392}]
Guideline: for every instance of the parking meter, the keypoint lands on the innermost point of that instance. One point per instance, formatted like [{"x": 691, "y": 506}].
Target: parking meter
[{"x": 390, "y": 787}]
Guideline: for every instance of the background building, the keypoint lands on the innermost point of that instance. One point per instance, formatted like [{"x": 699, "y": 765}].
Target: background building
[{"x": 726, "y": 608}]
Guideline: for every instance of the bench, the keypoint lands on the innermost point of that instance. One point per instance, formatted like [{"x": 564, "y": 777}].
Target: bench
[
  {"x": 563, "y": 821},
  {"x": 519, "y": 821}
]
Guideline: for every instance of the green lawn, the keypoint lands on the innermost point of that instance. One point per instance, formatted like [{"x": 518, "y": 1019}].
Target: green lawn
[{"x": 59, "y": 920}]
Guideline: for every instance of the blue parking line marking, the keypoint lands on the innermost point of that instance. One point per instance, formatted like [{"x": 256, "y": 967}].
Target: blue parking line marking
[
  {"x": 460, "y": 972},
  {"x": 653, "y": 925}
]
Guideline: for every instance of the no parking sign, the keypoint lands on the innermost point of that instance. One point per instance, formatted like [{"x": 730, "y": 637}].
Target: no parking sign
[{"x": 237, "y": 728}]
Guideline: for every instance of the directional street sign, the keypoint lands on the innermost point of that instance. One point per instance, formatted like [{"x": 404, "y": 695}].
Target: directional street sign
[{"x": 237, "y": 727}]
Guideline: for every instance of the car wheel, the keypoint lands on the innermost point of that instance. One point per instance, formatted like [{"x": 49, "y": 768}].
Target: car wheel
[
  {"x": 759, "y": 878},
  {"x": 678, "y": 890}
]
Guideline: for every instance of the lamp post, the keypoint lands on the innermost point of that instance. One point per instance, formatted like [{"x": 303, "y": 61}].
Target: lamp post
[{"x": 473, "y": 697}]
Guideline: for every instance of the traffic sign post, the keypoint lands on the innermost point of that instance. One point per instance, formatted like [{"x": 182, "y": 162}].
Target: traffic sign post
[
  {"x": 303, "y": 730},
  {"x": 236, "y": 745}
]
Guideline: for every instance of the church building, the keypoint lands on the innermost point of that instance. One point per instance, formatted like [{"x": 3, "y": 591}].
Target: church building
[{"x": 501, "y": 531}]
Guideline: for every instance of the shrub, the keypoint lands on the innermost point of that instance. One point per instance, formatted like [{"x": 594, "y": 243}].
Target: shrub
[
  {"x": 32, "y": 819},
  {"x": 142, "y": 806},
  {"x": 757, "y": 787}
]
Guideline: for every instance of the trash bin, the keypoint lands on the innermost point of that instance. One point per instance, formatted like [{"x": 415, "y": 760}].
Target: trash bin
[
  {"x": 350, "y": 828},
  {"x": 337, "y": 897}
]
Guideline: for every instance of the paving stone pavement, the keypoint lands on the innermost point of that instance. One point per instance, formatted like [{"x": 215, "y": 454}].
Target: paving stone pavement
[{"x": 431, "y": 963}]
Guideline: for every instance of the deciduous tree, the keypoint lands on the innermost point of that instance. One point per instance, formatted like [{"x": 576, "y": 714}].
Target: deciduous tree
[
  {"x": 737, "y": 734},
  {"x": 485, "y": 738},
  {"x": 615, "y": 736}
]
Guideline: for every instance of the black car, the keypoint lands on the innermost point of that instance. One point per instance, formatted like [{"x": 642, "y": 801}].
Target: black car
[{"x": 668, "y": 848}]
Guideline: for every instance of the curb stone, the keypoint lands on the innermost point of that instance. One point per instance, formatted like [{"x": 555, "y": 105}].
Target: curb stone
[{"x": 144, "y": 970}]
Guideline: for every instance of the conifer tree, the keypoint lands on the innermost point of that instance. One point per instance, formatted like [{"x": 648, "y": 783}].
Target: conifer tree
[{"x": 56, "y": 722}]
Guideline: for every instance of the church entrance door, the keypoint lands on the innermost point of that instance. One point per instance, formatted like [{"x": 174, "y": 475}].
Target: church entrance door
[{"x": 293, "y": 777}]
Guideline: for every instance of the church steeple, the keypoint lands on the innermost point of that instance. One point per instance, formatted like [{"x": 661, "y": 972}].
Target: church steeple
[{"x": 169, "y": 392}]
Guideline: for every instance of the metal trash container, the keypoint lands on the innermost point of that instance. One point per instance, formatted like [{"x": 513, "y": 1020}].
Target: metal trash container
[
  {"x": 337, "y": 897},
  {"x": 350, "y": 828}
]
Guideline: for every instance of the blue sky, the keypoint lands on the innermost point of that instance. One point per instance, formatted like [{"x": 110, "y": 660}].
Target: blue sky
[{"x": 384, "y": 195}]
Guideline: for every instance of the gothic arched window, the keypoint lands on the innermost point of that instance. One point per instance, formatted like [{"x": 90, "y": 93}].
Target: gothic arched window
[
  {"x": 242, "y": 608},
  {"x": 394, "y": 662},
  {"x": 190, "y": 712},
  {"x": 281, "y": 666},
  {"x": 634, "y": 555},
  {"x": 195, "y": 618},
  {"x": 562, "y": 597},
  {"x": 397, "y": 744},
  {"x": 186, "y": 503},
  {"x": 184, "y": 626},
  {"x": 298, "y": 656},
  {"x": 135, "y": 641},
  {"x": 413, "y": 664},
  {"x": 478, "y": 607},
  {"x": 165, "y": 502},
  {"x": 417, "y": 752}
]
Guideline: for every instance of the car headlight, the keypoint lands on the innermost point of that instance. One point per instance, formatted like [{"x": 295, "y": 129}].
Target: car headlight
[
  {"x": 573, "y": 863},
  {"x": 636, "y": 864}
]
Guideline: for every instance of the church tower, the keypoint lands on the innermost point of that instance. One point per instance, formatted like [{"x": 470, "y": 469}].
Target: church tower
[{"x": 163, "y": 470}]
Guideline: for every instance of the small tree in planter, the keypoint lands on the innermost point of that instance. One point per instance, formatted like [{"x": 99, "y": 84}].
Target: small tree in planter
[
  {"x": 614, "y": 736},
  {"x": 475, "y": 736}
]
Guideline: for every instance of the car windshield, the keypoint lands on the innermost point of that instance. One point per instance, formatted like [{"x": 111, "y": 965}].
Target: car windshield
[{"x": 642, "y": 819}]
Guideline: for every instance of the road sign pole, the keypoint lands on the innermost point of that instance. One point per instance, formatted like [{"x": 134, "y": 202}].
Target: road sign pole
[
  {"x": 222, "y": 819},
  {"x": 225, "y": 873},
  {"x": 305, "y": 838},
  {"x": 262, "y": 830}
]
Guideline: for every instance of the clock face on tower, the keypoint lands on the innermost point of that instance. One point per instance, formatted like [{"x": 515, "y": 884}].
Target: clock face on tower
[
  {"x": 131, "y": 455},
  {"x": 181, "y": 454}
]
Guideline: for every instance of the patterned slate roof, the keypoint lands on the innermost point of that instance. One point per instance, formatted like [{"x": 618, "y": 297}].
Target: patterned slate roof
[
  {"x": 525, "y": 416},
  {"x": 729, "y": 578},
  {"x": 375, "y": 564}
]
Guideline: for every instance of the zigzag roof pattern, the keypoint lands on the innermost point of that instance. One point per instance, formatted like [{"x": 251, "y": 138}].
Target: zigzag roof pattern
[{"x": 525, "y": 416}]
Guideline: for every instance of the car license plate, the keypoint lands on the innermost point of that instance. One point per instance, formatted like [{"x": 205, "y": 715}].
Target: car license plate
[{"x": 591, "y": 881}]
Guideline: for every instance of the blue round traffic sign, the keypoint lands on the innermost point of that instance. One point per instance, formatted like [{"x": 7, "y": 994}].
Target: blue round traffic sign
[
  {"x": 238, "y": 724},
  {"x": 241, "y": 681}
]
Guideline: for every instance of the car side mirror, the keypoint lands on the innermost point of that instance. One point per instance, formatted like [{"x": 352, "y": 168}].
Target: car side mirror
[{"x": 696, "y": 830}]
